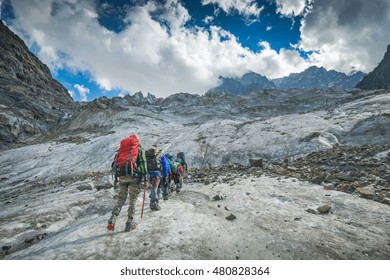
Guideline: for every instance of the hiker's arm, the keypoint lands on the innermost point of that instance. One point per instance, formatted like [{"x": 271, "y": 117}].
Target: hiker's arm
[
  {"x": 165, "y": 165},
  {"x": 141, "y": 162}
]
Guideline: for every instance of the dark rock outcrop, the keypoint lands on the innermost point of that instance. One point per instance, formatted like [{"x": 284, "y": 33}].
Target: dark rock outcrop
[
  {"x": 379, "y": 78},
  {"x": 31, "y": 101}
]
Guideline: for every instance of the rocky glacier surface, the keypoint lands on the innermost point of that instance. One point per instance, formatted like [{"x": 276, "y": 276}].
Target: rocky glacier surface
[{"x": 56, "y": 189}]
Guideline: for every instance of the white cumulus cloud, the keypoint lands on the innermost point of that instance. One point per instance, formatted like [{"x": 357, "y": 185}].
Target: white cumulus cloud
[
  {"x": 247, "y": 8},
  {"x": 291, "y": 7},
  {"x": 156, "y": 52},
  {"x": 346, "y": 35},
  {"x": 83, "y": 91},
  {"x": 208, "y": 19}
]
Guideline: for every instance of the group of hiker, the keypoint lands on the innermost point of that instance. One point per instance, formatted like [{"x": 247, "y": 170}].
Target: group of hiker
[{"x": 134, "y": 168}]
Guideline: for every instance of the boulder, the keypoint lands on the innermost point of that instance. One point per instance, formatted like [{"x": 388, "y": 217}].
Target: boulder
[
  {"x": 366, "y": 192},
  {"x": 324, "y": 209}
]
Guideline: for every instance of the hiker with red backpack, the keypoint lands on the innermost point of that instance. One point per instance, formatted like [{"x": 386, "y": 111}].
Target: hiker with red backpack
[
  {"x": 181, "y": 166},
  {"x": 178, "y": 176},
  {"x": 129, "y": 166},
  {"x": 183, "y": 162}
]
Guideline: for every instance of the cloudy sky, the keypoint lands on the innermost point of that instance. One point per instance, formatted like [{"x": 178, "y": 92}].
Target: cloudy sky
[{"x": 101, "y": 47}]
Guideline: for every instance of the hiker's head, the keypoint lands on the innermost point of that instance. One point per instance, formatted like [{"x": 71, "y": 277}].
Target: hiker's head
[
  {"x": 168, "y": 155},
  {"x": 155, "y": 149},
  {"x": 134, "y": 136}
]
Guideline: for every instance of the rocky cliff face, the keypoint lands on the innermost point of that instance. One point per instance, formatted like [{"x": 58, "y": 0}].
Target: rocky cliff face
[
  {"x": 379, "y": 78},
  {"x": 32, "y": 102}
]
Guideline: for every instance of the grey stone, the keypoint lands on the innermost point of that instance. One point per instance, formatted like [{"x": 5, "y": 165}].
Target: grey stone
[
  {"x": 231, "y": 217},
  {"x": 366, "y": 192},
  {"x": 86, "y": 187},
  {"x": 256, "y": 162},
  {"x": 324, "y": 209},
  {"x": 311, "y": 211}
]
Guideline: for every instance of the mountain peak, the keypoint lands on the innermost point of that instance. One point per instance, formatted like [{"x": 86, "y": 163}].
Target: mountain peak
[
  {"x": 315, "y": 68},
  {"x": 249, "y": 82}
]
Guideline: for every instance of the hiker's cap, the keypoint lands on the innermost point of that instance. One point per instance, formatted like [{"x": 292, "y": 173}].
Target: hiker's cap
[{"x": 135, "y": 135}]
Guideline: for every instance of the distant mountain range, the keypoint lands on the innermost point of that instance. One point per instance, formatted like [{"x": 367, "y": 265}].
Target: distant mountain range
[
  {"x": 318, "y": 77},
  {"x": 312, "y": 78}
]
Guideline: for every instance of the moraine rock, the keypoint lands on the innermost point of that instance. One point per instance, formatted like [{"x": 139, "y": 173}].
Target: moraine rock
[
  {"x": 324, "y": 209},
  {"x": 366, "y": 192},
  {"x": 256, "y": 162},
  {"x": 231, "y": 217}
]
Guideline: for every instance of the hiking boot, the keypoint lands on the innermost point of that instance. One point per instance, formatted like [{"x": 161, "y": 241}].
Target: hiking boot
[
  {"x": 111, "y": 223},
  {"x": 130, "y": 225},
  {"x": 165, "y": 197},
  {"x": 155, "y": 207}
]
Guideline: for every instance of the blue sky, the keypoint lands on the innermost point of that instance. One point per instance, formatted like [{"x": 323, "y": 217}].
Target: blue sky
[{"x": 108, "y": 48}]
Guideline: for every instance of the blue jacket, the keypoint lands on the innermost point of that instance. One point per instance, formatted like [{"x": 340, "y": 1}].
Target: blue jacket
[{"x": 166, "y": 168}]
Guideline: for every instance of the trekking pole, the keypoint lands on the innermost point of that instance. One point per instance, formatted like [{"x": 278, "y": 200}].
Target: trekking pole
[{"x": 143, "y": 201}]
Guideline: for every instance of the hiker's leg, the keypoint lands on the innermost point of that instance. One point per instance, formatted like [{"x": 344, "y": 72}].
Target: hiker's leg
[
  {"x": 153, "y": 189},
  {"x": 122, "y": 195},
  {"x": 164, "y": 186},
  {"x": 153, "y": 199},
  {"x": 159, "y": 188},
  {"x": 181, "y": 180},
  {"x": 133, "y": 196}
]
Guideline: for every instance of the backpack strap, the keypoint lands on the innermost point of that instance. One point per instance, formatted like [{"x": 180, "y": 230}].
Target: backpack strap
[
  {"x": 114, "y": 165},
  {"x": 127, "y": 164}
]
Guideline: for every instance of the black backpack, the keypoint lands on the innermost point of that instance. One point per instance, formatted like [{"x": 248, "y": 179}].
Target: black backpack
[
  {"x": 153, "y": 159},
  {"x": 181, "y": 156}
]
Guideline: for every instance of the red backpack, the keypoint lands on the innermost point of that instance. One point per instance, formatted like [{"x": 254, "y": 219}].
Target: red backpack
[
  {"x": 128, "y": 151},
  {"x": 126, "y": 156}
]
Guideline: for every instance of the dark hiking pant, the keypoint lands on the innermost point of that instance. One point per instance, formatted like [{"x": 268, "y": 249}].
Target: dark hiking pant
[
  {"x": 154, "y": 182},
  {"x": 165, "y": 182}
]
